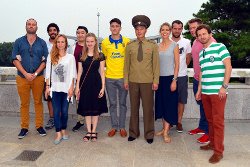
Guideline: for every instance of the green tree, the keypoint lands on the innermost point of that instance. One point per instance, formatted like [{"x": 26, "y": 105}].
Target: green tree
[
  {"x": 5, "y": 54},
  {"x": 230, "y": 22}
]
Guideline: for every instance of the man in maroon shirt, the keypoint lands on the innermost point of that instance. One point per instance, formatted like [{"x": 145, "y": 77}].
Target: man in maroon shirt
[{"x": 76, "y": 50}]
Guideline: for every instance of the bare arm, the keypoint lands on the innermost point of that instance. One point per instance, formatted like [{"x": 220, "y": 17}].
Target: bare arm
[
  {"x": 79, "y": 74},
  {"x": 173, "y": 85},
  {"x": 176, "y": 61},
  {"x": 40, "y": 68},
  {"x": 188, "y": 58},
  {"x": 126, "y": 67},
  {"x": 19, "y": 67},
  {"x": 198, "y": 93},
  {"x": 102, "y": 64},
  {"x": 28, "y": 76},
  {"x": 228, "y": 69}
]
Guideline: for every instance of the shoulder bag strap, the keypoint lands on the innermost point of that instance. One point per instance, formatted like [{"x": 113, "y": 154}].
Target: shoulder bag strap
[{"x": 86, "y": 74}]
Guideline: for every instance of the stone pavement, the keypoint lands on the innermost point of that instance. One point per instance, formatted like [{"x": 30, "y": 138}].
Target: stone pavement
[{"x": 183, "y": 151}]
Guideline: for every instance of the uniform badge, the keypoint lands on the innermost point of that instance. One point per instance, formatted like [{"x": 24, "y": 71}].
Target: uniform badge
[{"x": 211, "y": 59}]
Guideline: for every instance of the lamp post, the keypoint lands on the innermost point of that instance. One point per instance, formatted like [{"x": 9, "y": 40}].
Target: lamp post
[{"x": 98, "y": 32}]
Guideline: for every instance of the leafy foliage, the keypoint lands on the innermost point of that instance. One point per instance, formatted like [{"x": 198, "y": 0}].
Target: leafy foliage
[
  {"x": 5, "y": 54},
  {"x": 230, "y": 22}
]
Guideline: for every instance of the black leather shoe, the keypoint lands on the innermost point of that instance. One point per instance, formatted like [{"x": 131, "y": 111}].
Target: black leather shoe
[
  {"x": 77, "y": 127},
  {"x": 150, "y": 141},
  {"x": 131, "y": 138}
]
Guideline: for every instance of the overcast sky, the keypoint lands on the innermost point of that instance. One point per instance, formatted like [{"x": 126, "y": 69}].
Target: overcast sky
[{"x": 69, "y": 14}]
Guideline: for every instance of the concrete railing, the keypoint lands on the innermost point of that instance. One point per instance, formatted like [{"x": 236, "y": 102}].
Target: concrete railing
[
  {"x": 236, "y": 73},
  {"x": 237, "y": 107}
]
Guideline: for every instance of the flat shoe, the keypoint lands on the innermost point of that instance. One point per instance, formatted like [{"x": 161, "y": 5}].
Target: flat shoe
[
  {"x": 123, "y": 133},
  {"x": 65, "y": 137},
  {"x": 57, "y": 141},
  {"x": 166, "y": 137},
  {"x": 160, "y": 133}
]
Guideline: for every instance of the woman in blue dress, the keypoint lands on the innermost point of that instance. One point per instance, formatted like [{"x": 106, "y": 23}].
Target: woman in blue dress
[{"x": 166, "y": 97}]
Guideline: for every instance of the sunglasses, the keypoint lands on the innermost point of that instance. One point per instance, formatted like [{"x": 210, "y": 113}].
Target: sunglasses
[
  {"x": 30, "y": 51},
  {"x": 203, "y": 53}
]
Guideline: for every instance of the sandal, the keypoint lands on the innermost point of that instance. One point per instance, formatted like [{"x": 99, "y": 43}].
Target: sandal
[
  {"x": 94, "y": 138},
  {"x": 86, "y": 138},
  {"x": 166, "y": 137},
  {"x": 160, "y": 133}
]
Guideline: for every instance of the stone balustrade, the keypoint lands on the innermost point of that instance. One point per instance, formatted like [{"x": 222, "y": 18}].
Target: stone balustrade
[{"x": 237, "y": 107}]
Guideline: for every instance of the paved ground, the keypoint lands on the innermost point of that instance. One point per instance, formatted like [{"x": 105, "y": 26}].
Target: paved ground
[{"x": 183, "y": 151}]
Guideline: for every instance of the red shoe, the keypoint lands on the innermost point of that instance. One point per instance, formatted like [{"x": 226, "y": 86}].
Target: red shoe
[
  {"x": 196, "y": 131},
  {"x": 204, "y": 139}
]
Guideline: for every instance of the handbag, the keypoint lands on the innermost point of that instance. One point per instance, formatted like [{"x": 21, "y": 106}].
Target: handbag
[{"x": 78, "y": 95}]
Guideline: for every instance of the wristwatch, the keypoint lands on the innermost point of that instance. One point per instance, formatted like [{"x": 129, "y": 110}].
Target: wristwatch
[
  {"x": 174, "y": 79},
  {"x": 225, "y": 86},
  {"x": 36, "y": 74}
]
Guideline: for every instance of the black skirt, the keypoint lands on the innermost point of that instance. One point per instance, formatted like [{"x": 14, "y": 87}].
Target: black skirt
[{"x": 166, "y": 102}]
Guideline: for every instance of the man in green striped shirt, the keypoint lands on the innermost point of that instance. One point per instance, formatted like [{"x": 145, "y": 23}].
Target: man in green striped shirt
[{"x": 215, "y": 63}]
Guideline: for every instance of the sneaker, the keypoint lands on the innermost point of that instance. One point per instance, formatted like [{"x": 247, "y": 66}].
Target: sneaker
[
  {"x": 41, "y": 131},
  {"x": 204, "y": 139},
  {"x": 179, "y": 128},
  {"x": 23, "y": 133},
  {"x": 196, "y": 131},
  {"x": 50, "y": 124},
  {"x": 77, "y": 127}
]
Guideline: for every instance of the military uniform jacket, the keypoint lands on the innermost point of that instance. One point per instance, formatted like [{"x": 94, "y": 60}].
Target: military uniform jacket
[{"x": 146, "y": 71}]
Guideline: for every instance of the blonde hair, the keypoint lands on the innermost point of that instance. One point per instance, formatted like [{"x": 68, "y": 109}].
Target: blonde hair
[
  {"x": 54, "y": 54},
  {"x": 165, "y": 24},
  {"x": 86, "y": 50}
]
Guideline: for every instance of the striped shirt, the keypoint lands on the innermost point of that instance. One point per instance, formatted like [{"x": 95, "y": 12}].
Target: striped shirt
[{"x": 212, "y": 67}]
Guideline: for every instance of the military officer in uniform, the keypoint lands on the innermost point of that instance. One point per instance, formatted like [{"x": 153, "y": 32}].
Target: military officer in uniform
[{"x": 141, "y": 78}]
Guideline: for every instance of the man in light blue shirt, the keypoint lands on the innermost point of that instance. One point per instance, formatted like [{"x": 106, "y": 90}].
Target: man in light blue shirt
[{"x": 29, "y": 56}]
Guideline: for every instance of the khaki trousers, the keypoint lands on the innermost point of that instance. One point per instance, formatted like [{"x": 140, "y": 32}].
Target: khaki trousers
[
  {"x": 144, "y": 92},
  {"x": 24, "y": 87}
]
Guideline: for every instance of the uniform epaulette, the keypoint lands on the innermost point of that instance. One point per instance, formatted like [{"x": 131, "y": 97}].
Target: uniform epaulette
[
  {"x": 151, "y": 41},
  {"x": 131, "y": 42}
]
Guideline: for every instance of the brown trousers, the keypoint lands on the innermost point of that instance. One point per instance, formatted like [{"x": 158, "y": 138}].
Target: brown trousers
[
  {"x": 24, "y": 87},
  {"x": 214, "y": 111},
  {"x": 144, "y": 92}
]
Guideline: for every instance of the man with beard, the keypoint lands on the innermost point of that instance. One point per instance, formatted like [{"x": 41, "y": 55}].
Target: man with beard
[
  {"x": 29, "y": 55},
  {"x": 185, "y": 58},
  {"x": 53, "y": 30},
  {"x": 215, "y": 63},
  {"x": 202, "y": 129}
]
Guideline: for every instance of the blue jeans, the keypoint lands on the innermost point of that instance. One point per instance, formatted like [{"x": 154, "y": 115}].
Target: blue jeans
[
  {"x": 203, "y": 124},
  {"x": 60, "y": 109},
  {"x": 112, "y": 86}
]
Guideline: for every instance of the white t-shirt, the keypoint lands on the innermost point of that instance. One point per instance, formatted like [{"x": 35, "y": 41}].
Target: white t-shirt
[
  {"x": 184, "y": 49},
  {"x": 62, "y": 74},
  {"x": 49, "y": 46}
]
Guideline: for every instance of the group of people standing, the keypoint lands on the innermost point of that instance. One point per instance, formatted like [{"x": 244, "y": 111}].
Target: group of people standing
[{"x": 141, "y": 67}]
